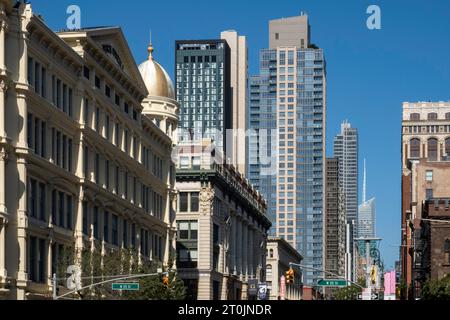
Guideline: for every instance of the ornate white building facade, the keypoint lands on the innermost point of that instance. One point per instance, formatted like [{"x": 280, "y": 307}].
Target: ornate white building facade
[
  {"x": 222, "y": 226},
  {"x": 85, "y": 150}
]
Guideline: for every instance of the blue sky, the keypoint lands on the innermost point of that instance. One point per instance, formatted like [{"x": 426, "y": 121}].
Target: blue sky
[{"x": 370, "y": 72}]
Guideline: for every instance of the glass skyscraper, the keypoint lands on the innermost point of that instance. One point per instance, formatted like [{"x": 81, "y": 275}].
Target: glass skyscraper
[
  {"x": 346, "y": 150},
  {"x": 287, "y": 146},
  {"x": 203, "y": 90}
]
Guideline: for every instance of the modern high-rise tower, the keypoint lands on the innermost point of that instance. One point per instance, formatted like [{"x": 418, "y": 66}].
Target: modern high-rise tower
[
  {"x": 346, "y": 150},
  {"x": 287, "y": 146},
  {"x": 203, "y": 90}
]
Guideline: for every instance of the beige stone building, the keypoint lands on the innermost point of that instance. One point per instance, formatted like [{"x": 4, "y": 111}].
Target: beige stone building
[
  {"x": 222, "y": 226},
  {"x": 425, "y": 159},
  {"x": 279, "y": 256},
  {"x": 85, "y": 145},
  {"x": 239, "y": 87}
]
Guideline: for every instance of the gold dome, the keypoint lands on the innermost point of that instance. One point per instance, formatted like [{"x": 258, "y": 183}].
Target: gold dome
[{"x": 156, "y": 79}]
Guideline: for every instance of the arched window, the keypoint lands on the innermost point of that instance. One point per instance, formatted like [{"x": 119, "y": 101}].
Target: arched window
[
  {"x": 432, "y": 116},
  {"x": 414, "y": 116},
  {"x": 415, "y": 148},
  {"x": 447, "y": 149},
  {"x": 432, "y": 149}
]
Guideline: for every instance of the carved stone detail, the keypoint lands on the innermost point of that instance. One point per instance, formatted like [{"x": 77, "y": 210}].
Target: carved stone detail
[{"x": 206, "y": 201}]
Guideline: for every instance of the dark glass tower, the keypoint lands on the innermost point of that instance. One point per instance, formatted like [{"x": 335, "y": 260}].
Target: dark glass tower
[{"x": 203, "y": 90}]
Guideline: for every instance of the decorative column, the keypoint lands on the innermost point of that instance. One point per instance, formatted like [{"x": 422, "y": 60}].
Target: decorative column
[
  {"x": 22, "y": 227},
  {"x": 232, "y": 244},
  {"x": 239, "y": 247},
  {"x": 3, "y": 271},
  {"x": 245, "y": 250},
  {"x": 250, "y": 251}
]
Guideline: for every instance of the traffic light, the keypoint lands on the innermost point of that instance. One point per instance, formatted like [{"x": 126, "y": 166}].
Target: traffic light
[
  {"x": 373, "y": 275},
  {"x": 165, "y": 279},
  {"x": 290, "y": 276}
]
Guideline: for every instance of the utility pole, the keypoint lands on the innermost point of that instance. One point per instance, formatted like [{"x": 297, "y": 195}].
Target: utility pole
[{"x": 369, "y": 263}]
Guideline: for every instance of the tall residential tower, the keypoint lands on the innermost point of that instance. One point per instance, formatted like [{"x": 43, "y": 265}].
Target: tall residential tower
[{"x": 287, "y": 146}]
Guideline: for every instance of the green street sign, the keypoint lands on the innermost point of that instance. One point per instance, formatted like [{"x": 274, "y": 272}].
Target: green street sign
[
  {"x": 125, "y": 286},
  {"x": 332, "y": 283}
]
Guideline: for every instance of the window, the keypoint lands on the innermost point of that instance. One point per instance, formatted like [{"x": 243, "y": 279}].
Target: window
[
  {"x": 429, "y": 175},
  {"x": 107, "y": 127},
  {"x": 86, "y": 219},
  {"x": 415, "y": 148},
  {"x": 432, "y": 116},
  {"x": 86, "y": 72},
  {"x": 86, "y": 111},
  {"x": 106, "y": 226},
  {"x": 115, "y": 230},
  {"x": 184, "y": 163},
  {"x": 97, "y": 82},
  {"x": 107, "y": 91},
  {"x": 414, "y": 117},
  {"x": 196, "y": 163},
  {"x": 447, "y": 116},
  {"x": 42, "y": 202},
  {"x": 195, "y": 201},
  {"x": 216, "y": 290},
  {"x": 184, "y": 202},
  {"x": 429, "y": 194},
  {"x": 187, "y": 230},
  {"x": 447, "y": 251},
  {"x": 61, "y": 210},
  {"x": 125, "y": 233},
  {"x": 97, "y": 119},
  {"x": 96, "y": 168},
  {"x": 133, "y": 235},
  {"x": 432, "y": 149},
  {"x": 447, "y": 149},
  {"x": 37, "y": 260},
  {"x": 95, "y": 223},
  {"x": 69, "y": 213},
  {"x": 32, "y": 198},
  {"x": 216, "y": 234},
  {"x": 107, "y": 174}
]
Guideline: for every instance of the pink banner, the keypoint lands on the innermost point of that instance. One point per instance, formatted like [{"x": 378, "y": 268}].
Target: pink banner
[{"x": 389, "y": 283}]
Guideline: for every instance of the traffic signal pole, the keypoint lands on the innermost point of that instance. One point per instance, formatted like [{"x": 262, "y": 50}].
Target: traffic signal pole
[
  {"x": 118, "y": 278},
  {"x": 325, "y": 272}
]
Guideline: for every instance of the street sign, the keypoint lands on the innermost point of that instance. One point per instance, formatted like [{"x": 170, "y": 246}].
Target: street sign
[
  {"x": 125, "y": 286},
  {"x": 282, "y": 288},
  {"x": 262, "y": 291},
  {"x": 252, "y": 287},
  {"x": 368, "y": 295},
  {"x": 332, "y": 283}
]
